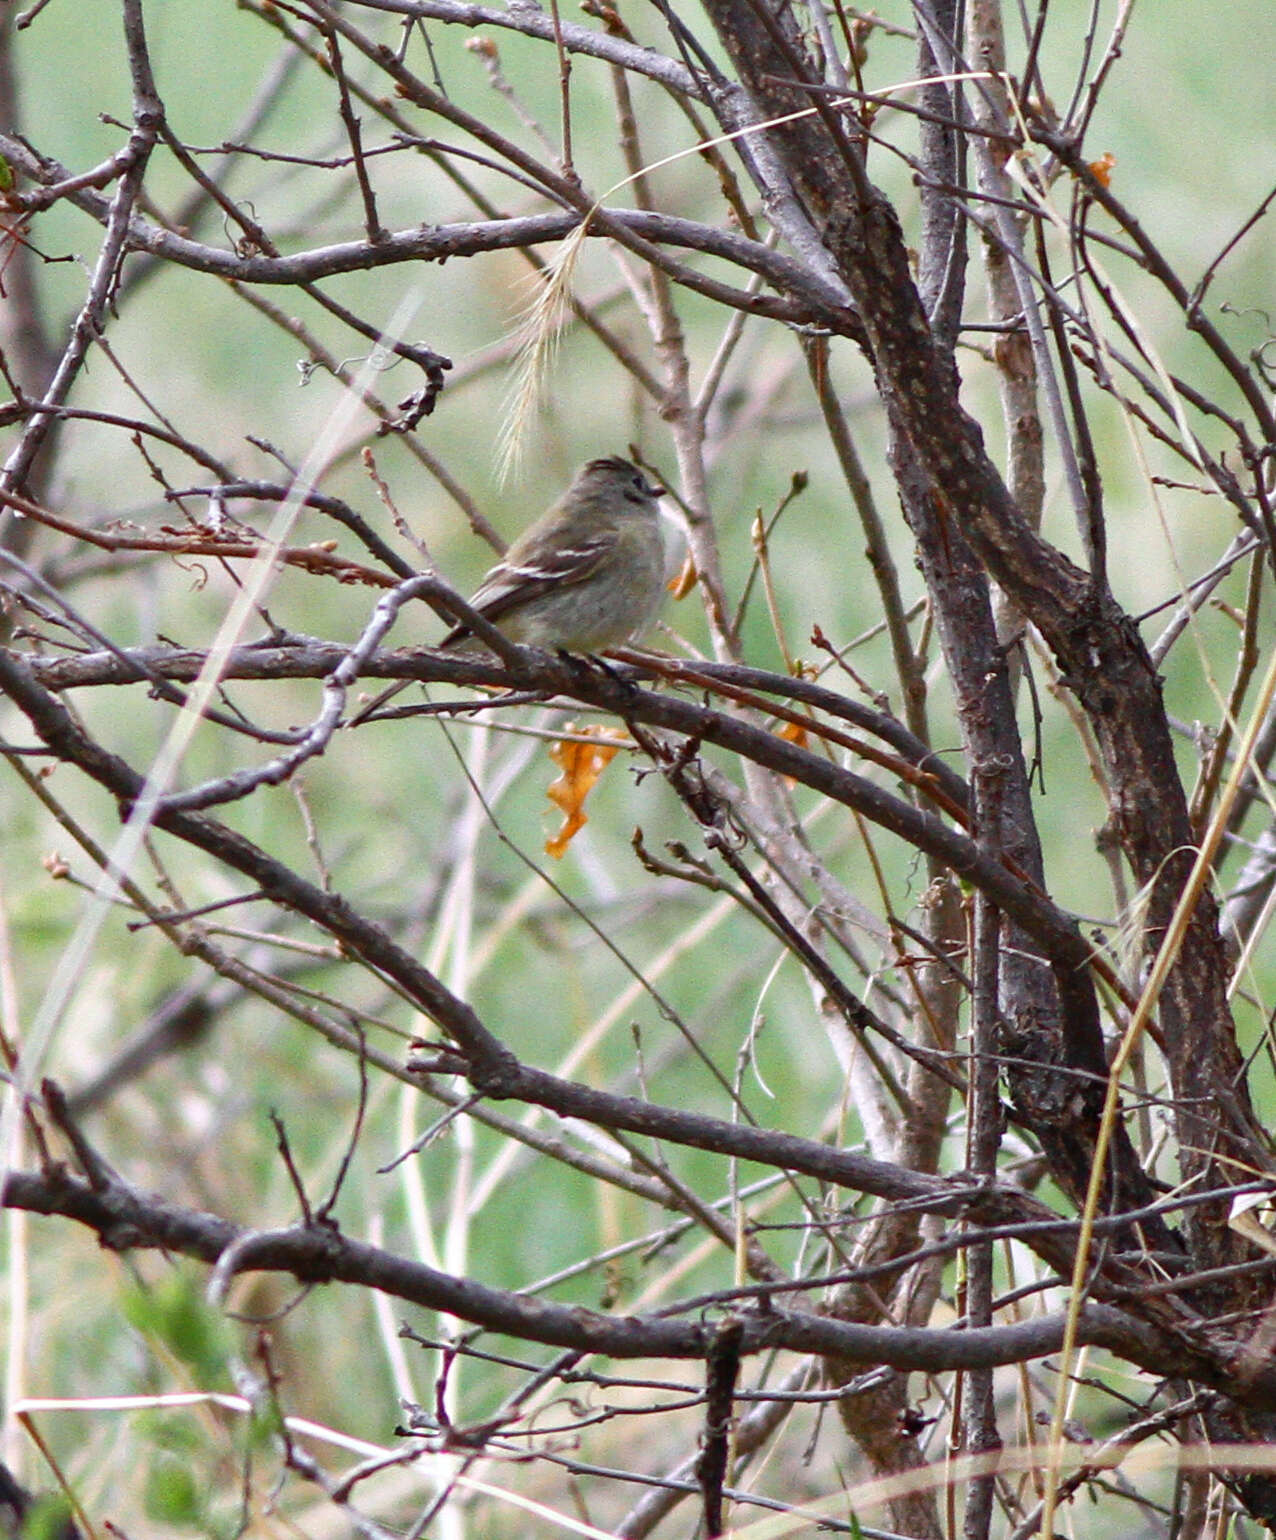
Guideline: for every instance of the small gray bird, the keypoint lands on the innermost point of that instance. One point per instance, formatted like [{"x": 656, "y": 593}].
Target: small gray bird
[{"x": 588, "y": 574}]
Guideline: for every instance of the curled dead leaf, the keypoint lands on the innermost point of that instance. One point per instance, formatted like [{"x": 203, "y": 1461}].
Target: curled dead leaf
[
  {"x": 684, "y": 580},
  {"x": 1101, "y": 169},
  {"x": 582, "y": 758},
  {"x": 793, "y": 732}
]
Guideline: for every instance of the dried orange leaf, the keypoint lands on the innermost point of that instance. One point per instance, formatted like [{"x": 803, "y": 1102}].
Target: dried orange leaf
[
  {"x": 684, "y": 580},
  {"x": 794, "y": 732},
  {"x": 581, "y": 763},
  {"x": 1101, "y": 169}
]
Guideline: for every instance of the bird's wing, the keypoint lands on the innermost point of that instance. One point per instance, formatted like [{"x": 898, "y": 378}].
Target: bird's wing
[{"x": 514, "y": 581}]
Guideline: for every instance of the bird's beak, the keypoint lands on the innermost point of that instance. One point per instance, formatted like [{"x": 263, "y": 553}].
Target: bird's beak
[{"x": 654, "y": 489}]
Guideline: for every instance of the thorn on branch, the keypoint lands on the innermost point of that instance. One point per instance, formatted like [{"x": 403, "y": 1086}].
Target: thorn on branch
[
  {"x": 100, "y": 1175},
  {"x": 294, "y": 1176}
]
